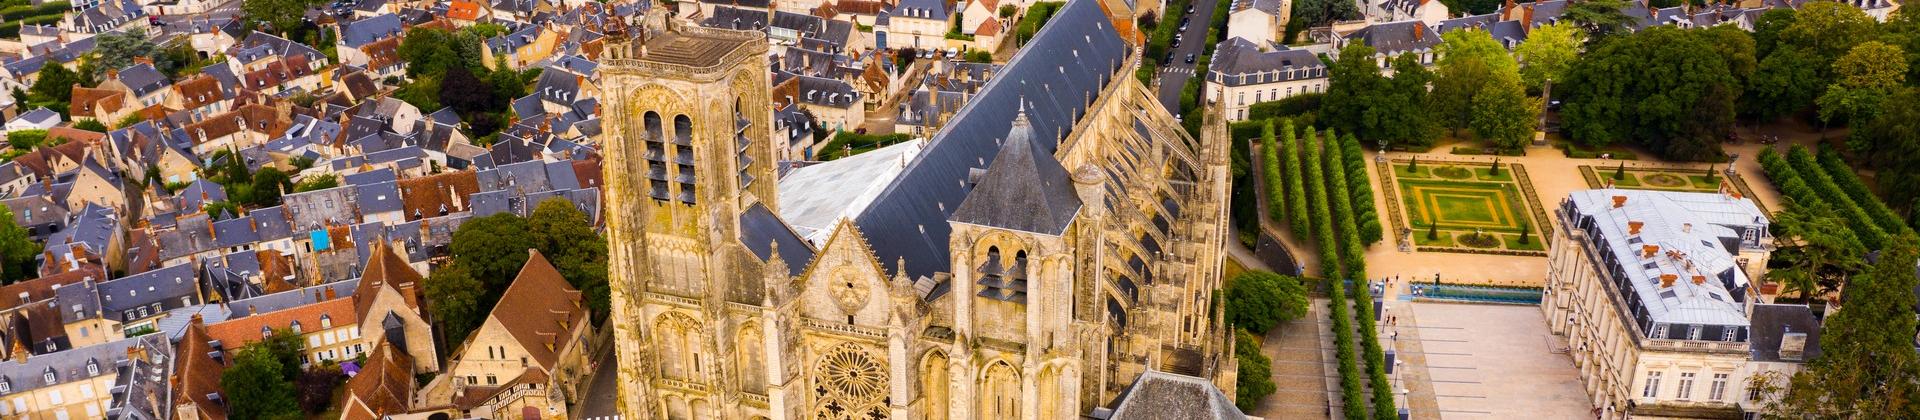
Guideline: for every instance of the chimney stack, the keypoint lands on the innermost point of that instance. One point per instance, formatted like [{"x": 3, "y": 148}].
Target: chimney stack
[
  {"x": 1633, "y": 227},
  {"x": 1619, "y": 201},
  {"x": 1699, "y": 279},
  {"x": 1648, "y": 251},
  {"x": 1793, "y": 345},
  {"x": 1666, "y": 280},
  {"x": 330, "y": 293}
]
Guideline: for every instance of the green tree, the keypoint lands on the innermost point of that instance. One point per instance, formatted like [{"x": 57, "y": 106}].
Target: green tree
[
  {"x": 317, "y": 182},
  {"x": 90, "y": 125},
  {"x": 1259, "y": 300},
  {"x": 266, "y": 187},
  {"x": 1503, "y": 114},
  {"x": 1547, "y": 54},
  {"x": 1362, "y": 102},
  {"x": 454, "y": 298},
  {"x": 1894, "y": 139},
  {"x": 1786, "y": 81},
  {"x": 17, "y": 249},
  {"x": 565, "y": 236},
  {"x": 1864, "y": 78},
  {"x": 1255, "y": 380},
  {"x": 1600, "y": 18},
  {"x": 117, "y": 50},
  {"x": 1822, "y": 253},
  {"x": 280, "y": 16},
  {"x": 284, "y": 346},
  {"x": 1469, "y": 60},
  {"x": 257, "y": 387},
  {"x": 493, "y": 248},
  {"x": 1867, "y": 367},
  {"x": 1321, "y": 12},
  {"x": 1767, "y": 29},
  {"x": 1827, "y": 29},
  {"x": 1667, "y": 89},
  {"x": 54, "y": 88}
]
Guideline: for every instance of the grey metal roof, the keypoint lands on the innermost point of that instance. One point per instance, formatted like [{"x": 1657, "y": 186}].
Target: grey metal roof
[
  {"x": 1689, "y": 230},
  {"x": 1025, "y": 189},
  {"x": 1056, "y": 74},
  {"x": 242, "y": 308},
  {"x": 370, "y": 177},
  {"x": 94, "y": 228},
  {"x": 40, "y": 116},
  {"x": 736, "y": 18},
  {"x": 760, "y": 230},
  {"x": 816, "y": 197},
  {"x": 67, "y": 366},
  {"x": 365, "y": 31}
]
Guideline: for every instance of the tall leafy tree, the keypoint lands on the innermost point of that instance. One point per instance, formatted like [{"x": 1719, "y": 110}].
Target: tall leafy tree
[
  {"x": 454, "y": 298},
  {"x": 1863, "y": 79},
  {"x": 117, "y": 50},
  {"x": 1547, "y": 54},
  {"x": 566, "y": 237},
  {"x": 17, "y": 249},
  {"x": 1600, "y": 18},
  {"x": 464, "y": 92},
  {"x": 257, "y": 387},
  {"x": 284, "y": 17},
  {"x": 1259, "y": 300},
  {"x": 493, "y": 248},
  {"x": 1822, "y": 253},
  {"x": 1786, "y": 81},
  {"x": 1478, "y": 88},
  {"x": 1665, "y": 88},
  {"x": 1867, "y": 367},
  {"x": 1363, "y": 102},
  {"x": 1827, "y": 29},
  {"x": 1322, "y": 12},
  {"x": 1892, "y": 143},
  {"x": 1503, "y": 114},
  {"x": 55, "y": 86},
  {"x": 1767, "y": 29}
]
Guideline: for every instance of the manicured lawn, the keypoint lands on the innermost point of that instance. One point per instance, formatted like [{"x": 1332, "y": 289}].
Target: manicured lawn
[
  {"x": 1465, "y": 199},
  {"x": 1653, "y": 179}
]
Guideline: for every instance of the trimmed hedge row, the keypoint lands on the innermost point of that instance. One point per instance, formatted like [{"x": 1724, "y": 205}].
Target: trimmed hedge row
[
  {"x": 1376, "y": 358},
  {"x": 1296, "y": 184},
  {"x": 1270, "y": 170},
  {"x": 1793, "y": 187},
  {"x": 1803, "y": 163},
  {"x": 1843, "y": 175},
  {"x": 1360, "y": 190},
  {"x": 1353, "y": 255},
  {"x": 1322, "y": 212},
  {"x": 1343, "y": 351}
]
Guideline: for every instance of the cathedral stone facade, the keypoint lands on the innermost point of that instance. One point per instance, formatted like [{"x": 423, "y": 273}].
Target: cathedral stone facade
[{"x": 1060, "y": 237}]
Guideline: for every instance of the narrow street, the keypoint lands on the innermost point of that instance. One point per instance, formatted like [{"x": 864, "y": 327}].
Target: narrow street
[
  {"x": 1174, "y": 75},
  {"x": 599, "y": 403}
]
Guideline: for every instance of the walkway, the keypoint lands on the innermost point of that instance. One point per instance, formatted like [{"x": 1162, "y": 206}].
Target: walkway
[{"x": 1300, "y": 355}]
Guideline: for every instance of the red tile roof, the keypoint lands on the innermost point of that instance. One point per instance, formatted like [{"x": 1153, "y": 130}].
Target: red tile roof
[
  {"x": 239, "y": 332},
  {"x": 383, "y": 387},
  {"x": 540, "y": 309},
  {"x": 197, "y": 373},
  {"x": 427, "y": 196}
]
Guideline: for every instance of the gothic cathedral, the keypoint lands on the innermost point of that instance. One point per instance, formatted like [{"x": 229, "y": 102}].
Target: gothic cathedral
[{"x": 1060, "y": 236}]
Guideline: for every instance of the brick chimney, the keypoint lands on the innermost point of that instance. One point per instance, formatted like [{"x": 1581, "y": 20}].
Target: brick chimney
[
  {"x": 330, "y": 293},
  {"x": 1619, "y": 201},
  {"x": 1633, "y": 226},
  {"x": 1648, "y": 251},
  {"x": 1666, "y": 280},
  {"x": 1699, "y": 279},
  {"x": 1419, "y": 31}
]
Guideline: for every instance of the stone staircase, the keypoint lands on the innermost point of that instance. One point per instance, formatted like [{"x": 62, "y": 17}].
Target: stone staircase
[{"x": 1301, "y": 354}]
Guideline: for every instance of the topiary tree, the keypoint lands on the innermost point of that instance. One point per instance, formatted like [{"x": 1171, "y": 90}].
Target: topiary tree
[
  {"x": 1712, "y": 175},
  {"x": 1526, "y": 229},
  {"x": 1620, "y": 172},
  {"x": 1433, "y": 231},
  {"x": 1495, "y": 169},
  {"x": 1413, "y": 164}
]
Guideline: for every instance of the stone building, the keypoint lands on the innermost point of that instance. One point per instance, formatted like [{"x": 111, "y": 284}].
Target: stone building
[
  {"x": 1652, "y": 292},
  {"x": 1058, "y": 238}
]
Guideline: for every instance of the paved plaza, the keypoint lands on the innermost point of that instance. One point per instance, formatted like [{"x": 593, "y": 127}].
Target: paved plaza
[{"x": 1465, "y": 361}]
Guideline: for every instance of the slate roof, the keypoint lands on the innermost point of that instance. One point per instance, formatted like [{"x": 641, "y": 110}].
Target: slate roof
[
  {"x": 736, "y": 18},
  {"x": 1393, "y": 38},
  {"x": 925, "y": 9},
  {"x": 40, "y": 117},
  {"x": 378, "y": 198},
  {"x": 760, "y": 230},
  {"x": 67, "y": 366},
  {"x": 1025, "y": 189},
  {"x": 1238, "y": 62},
  {"x": 1694, "y": 225},
  {"x": 1065, "y": 63},
  {"x": 1772, "y": 322},
  {"x": 164, "y": 286},
  {"x": 1161, "y": 395},
  {"x": 143, "y": 79},
  {"x": 365, "y": 31}
]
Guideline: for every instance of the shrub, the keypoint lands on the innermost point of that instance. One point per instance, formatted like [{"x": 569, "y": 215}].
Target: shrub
[
  {"x": 1826, "y": 190},
  {"x": 1343, "y": 353},
  {"x": 1270, "y": 171},
  {"x": 1291, "y": 106},
  {"x": 848, "y": 143},
  {"x": 1256, "y": 372},
  {"x": 1360, "y": 191}
]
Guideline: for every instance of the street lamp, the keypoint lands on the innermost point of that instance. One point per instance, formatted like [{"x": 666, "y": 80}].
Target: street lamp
[{"x": 1383, "y": 151}]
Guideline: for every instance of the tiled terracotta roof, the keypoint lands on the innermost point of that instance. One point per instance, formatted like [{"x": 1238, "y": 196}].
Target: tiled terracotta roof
[
  {"x": 86, "y": 101},
  {"x": 387, "y": 269},
  {"x": 990, "y": 27},
  {"x": 239, "y": 332},
  {"x": 197, "y": 373},
  {"x": 464, "y": 10},
  {"x": 539, "y": 309},
  {"x": 199, "y": 91},
  {"x": 427, "y": 196},
  {"x": 383, "y": 387},
  {"x": 42, "y": 288}
]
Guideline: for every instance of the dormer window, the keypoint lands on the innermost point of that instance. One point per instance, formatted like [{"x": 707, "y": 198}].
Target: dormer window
[
  {"x": 48, "y": 377},
  {"x": 93, "y": 367},
  {"x": 296, "y": 327},
  {"x": 266, "y": 332},
  {"x": 6, "y": 386},
  {"x": 326, "y": 321}
]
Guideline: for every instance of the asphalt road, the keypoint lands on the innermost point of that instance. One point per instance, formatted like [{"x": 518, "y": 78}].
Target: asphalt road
[
  {"x": 1173, "y": 76},
  {"x": 599, "y": 403}
]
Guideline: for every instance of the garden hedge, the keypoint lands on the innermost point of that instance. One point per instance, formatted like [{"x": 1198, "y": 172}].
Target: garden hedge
[
  {"x": 1296, "y": 193},
  {"x": 1803, "y": 164},
  {"x": 1350, "y": 379},
  {"x": 1837, "y": 170}
]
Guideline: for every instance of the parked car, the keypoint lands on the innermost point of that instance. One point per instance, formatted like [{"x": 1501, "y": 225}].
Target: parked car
[
  {"x": 1189, "y": 8},
  {"x": 1167, "y": 59},
  {"x": 1189, "y": 58},
  {"x": 1176, "y": 43}
]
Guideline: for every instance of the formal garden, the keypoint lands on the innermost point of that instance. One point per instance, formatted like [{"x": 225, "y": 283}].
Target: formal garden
[
  {"x": 1466, "y": 207},
  {"x": 1663, "y": 179}
]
